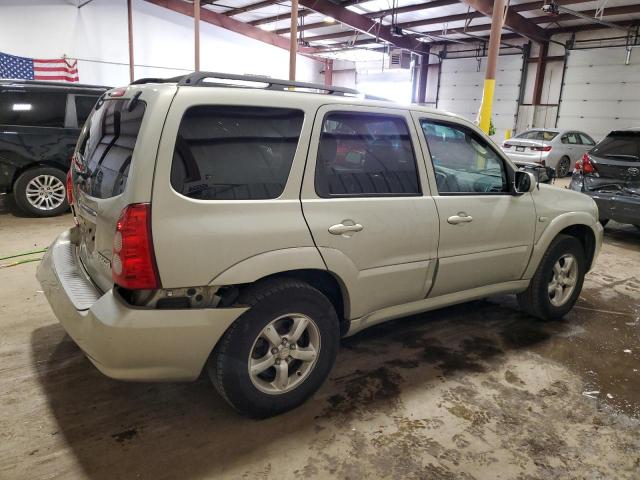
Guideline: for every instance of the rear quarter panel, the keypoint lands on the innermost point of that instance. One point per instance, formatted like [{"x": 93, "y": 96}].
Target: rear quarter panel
[{"x": 197, "y": 241}]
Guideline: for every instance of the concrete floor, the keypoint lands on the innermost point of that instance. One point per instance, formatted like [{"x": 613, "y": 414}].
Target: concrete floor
[{"x": 478, "y": 391}]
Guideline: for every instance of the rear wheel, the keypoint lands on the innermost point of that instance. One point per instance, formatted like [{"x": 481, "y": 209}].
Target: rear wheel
[
  {"x": 279, "y": 352},
  {"x": 41, "y": 192},
  {"x": 557, "y": 283},
  {"x": 562, "y": 169}
]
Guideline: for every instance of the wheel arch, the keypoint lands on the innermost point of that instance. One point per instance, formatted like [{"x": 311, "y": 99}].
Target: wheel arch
[
  {"x": 577, "y": 224},
  {"x": 42, "y": 164}
]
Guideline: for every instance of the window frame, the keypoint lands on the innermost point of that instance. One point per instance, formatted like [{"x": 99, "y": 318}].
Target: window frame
[
  {"x": 368, "y": 113},
  {"x": 509, "y": 172}
]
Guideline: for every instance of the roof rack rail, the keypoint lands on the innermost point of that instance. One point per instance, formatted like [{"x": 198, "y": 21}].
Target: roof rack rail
[
  {"x": 197, "y": 79},
  {"x": 142, "y": 81}
]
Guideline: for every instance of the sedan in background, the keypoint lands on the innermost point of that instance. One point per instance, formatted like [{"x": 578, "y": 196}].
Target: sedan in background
[
  {"x": 610, "y": 174},
  {"x": 558, "y": 149}
]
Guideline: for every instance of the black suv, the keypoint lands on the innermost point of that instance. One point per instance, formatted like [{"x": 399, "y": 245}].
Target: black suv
[
  {"x": 610, "y": 174},
  {"x": 39, "y": 126}
]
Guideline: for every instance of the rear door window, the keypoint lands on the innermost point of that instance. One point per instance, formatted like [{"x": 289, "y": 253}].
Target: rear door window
[
  {"x": 586, "y": 139},
  {"x": 33, "y": 109},
  {"x": 362, "y": 154},
  {"x": 105, "y": 150},
  {"x": 235, "y": 153}
]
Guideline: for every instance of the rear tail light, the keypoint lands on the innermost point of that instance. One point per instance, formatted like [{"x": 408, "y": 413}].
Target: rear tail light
[
  {"x": 506, "y": 145},
  {"x": 546, "y": 148},
  {"x": 69, "y": 188},
  {"x": 133, "y": 265},
  {"x": 585, "y": 166}
]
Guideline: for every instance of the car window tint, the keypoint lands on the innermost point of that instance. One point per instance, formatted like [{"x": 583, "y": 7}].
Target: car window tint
[
  {"x": 586, "y": 139},
  {"x": 84, "y": 106},
  {"x": 537, "y": 135},
  {"x": 462, "y": 160},
  {"x": 36, "y": 109},
  {"x": 362, "y": 154},
  {"x": 235, "y": 153},
  {"x": 106, "y": 148},
  {"x": 620, "y": 144}
]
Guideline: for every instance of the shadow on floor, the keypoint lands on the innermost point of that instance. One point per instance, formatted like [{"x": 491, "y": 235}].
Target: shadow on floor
[{"x": 112, "y": 426}]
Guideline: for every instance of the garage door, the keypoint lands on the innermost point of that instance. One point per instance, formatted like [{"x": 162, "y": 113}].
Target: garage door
[
  {"x": 461, "y": 84},
  {"x": 600, "y": 93}
]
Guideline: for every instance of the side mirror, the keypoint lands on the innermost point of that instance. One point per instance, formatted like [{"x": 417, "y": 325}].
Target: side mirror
[{"x": 525, "y": 182}]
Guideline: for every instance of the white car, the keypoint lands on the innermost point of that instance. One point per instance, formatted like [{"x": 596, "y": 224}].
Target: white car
[
  {"x": 243, "y": 231},
  {"x": 558, "y": 149}
]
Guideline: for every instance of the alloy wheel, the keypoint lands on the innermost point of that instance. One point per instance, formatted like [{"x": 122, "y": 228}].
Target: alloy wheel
[
  {"x": 563, "y": 280},
  {"x": 45, "y": 192},
  {"x": 284, "y": 353}
]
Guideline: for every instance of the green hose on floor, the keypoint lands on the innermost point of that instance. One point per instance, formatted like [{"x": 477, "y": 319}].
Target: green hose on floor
[{"x": 20, "y": 262}]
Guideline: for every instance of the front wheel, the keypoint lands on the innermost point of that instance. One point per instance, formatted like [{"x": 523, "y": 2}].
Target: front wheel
[
  {"x": 41, "y": 192},
  {"x": 279, "y": 352},
  {"x": 557, "y": 283}
]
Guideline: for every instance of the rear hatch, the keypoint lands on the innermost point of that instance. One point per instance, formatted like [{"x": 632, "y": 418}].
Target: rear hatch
[
  {"x": 617, "y": 158},
  {"x": 101, "y": 168}
]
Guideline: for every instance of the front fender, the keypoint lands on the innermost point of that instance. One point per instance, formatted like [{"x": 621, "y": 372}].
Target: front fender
[{"x": 555, "y": 227}]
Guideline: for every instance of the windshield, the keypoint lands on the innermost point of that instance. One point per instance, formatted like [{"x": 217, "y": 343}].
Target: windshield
[
  {"x": 537, "y": 135},
  {"x": 105, "y": 148},
  {"x": 622, "y": 145}
]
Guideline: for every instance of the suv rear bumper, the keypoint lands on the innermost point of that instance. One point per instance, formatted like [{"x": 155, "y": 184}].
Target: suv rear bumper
[{"x": 122, "y": 341}]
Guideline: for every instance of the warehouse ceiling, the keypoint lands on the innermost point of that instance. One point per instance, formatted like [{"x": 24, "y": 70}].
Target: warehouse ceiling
[{"x": 433, "y": 21}]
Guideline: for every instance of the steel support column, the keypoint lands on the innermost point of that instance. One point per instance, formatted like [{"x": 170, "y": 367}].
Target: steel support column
[
  {"x": 130, "y": 27},
  {"x": 422, "y": 77},
  {"x": 497, "y": 22},
  {"x": 293, "y": 39},
  {"x": 196, "y": 30},
  {"x": 541, "y": 66}
]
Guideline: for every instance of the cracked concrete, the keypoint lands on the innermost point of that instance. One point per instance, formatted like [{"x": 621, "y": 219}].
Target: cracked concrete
[{"x": 476, "y": 391}]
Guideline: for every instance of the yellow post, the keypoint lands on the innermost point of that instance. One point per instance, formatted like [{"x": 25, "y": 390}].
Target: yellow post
[
  {"x": 497, "y": 22},
  {"x": 507, "y": 134}
]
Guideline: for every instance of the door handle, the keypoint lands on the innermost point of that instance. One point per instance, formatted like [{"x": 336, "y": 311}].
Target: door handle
[
  {"x": 342, "y": 229},
  {"x": 460, "y": 218}
]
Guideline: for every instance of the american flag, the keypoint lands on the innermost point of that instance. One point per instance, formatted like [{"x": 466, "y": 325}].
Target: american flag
[{"x": 59, "y": 69}]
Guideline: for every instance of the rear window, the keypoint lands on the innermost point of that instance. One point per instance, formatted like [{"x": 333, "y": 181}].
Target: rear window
[
  {"x": 235, "y": 153},
  {"x": 537, "y": 135},
  {"x": 84, "y": 106},
  {"x": 106, "y": 148},
  {"x": 621, "y": 145},
  {"x": 33, "y": 109}
]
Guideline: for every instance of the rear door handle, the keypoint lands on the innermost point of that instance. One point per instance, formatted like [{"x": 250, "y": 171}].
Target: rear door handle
[
  {"x": 460, "y": 218},
  {"x": 342, "y": 229}
]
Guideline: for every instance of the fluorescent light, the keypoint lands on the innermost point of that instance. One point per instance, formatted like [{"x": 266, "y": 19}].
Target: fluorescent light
[
  {"x": 21, "y": 107},
  {"x": 329, "y": 20}
]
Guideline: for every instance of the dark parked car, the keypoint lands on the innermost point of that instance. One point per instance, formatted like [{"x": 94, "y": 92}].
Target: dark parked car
[
  {"x": 610, "y": 174},
  {"x": 39, "y": 126}
]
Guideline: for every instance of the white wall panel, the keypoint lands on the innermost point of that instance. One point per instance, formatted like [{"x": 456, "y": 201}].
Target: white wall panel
[
  {"x": 163, "y": 41},
  {"x": 600, "y": 92},
  {"x": 461, "y": 85}
]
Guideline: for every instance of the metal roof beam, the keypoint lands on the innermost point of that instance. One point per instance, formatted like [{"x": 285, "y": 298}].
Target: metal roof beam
[
  {"x": 513, "y": 21},
  {"x": 362, "y": 24}
]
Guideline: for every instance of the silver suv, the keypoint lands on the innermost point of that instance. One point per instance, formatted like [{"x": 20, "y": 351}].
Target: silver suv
[{"x": 242, "y": 225}]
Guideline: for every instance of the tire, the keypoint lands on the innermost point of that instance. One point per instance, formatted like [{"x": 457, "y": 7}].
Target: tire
[
  {"x": 537, "y": 299},
  {"x": 278, "y": 303},
  {"x": 563, "y": 167},
  {"x": 44, "y": 185}
]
